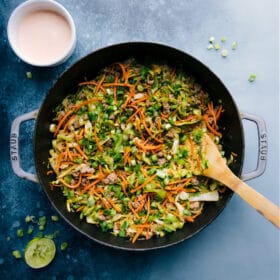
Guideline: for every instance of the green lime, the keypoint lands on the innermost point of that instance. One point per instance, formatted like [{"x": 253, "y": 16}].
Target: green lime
[{"x": 39, "y": 252}]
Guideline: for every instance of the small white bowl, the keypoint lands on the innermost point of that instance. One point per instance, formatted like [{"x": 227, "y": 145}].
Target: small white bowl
[{"x": 24, "y": 10}]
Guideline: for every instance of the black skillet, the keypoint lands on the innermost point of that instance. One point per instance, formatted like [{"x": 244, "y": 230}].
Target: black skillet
[{"x": 87, "y": 68}]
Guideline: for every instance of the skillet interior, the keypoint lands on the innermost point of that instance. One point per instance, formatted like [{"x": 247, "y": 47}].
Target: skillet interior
[{"x": 88, "y": 67}]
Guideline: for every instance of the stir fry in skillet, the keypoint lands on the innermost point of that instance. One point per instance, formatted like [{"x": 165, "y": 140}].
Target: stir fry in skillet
[{"x": 126, "y": 149}]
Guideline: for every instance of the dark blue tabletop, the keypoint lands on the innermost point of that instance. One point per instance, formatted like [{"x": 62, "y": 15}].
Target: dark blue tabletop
[{"x": 240, "y": 243}]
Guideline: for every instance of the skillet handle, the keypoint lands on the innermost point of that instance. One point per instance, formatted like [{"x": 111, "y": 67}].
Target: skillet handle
[
  {"x": 14, "y": 146},
  {"x": 262, "y": 146}
]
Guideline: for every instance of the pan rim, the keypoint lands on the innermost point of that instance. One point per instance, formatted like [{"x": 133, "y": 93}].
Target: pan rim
[{"x": 37, "y": 163}]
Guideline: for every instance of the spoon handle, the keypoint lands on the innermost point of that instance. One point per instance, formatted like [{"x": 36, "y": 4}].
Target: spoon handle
[{"x": 265, "y": 207}]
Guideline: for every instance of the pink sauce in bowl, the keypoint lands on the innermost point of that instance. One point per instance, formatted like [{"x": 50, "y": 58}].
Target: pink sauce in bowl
[{"x": 42, "y": 32}]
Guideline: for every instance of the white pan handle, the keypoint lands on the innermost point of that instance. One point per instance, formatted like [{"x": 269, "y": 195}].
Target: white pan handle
[
  {"x": 14, "y": 146},
  {"x": 262, "y": 146}
]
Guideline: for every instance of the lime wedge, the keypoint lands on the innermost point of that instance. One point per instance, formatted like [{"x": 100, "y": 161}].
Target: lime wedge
[{"x": 39, "y": 252}]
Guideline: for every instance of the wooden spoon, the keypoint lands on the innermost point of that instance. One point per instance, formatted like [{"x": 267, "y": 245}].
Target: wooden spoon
[{"x": 218, "y": 170}]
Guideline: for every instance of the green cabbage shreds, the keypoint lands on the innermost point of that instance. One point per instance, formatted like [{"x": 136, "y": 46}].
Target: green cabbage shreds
[{"x": 126, "y": 149}]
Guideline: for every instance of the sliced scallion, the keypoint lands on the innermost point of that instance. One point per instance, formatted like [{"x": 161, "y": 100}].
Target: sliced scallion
[
  {"x": 234, "y": 45},
  {"x": 224, "y": 53},
  {"x": 211, "y": 39},
  {"x": 252, "y": 78}
]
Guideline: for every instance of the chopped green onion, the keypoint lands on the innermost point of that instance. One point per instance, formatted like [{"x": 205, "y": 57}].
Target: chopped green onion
[
  {"x": 210, "y": 47},
  {"x": 29, "y": 219},
  {"x": 234, "y": 45},
  {"x": 223, "y": 39},
  {"x": 30, "y": 230},
  {"x": 40, "y": 234},
  {"x": 50, "y": 236},
  {"x": 217, "y": 46},
  {"x": 42, "y": 222},
  {"x": 224, "y": 53},
  {"x": 211, "y": 39},
  {"x": 54, "y": 218},
  {"x": 252, "y": 78},
  {"x": 41, "y": 227},
  {"x": 20, "y": 232},
  {"x": 28, "y": 75},
  {"x": 140, "y": 88},
  {"x": 16, "y": 254},
  {"x": 63, "y": 246}
]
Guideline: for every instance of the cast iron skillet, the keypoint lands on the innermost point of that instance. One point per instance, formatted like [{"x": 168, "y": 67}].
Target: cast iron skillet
[{"x": 88, "y": 67}]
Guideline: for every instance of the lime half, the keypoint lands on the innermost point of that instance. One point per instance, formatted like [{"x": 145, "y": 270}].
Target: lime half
[{"x": 39, "y": 252}]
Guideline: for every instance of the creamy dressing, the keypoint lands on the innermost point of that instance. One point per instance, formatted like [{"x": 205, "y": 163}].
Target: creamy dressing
[{"x": 44, "y": 36}]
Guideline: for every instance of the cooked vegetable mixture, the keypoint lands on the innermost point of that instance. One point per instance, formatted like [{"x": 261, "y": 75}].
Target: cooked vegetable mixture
[{"x": 127, "y": 152}]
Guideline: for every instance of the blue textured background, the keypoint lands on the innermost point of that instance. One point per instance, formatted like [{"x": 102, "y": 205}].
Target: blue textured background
[{"x": 239, "y": 244}]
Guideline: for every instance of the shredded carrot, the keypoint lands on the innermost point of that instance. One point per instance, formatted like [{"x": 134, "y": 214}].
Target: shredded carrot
[
  {"x": 137, "y": 126},
  {"x": 147, "y": 181},
  {"x": 99, "y": 83},
  {"x": 126, "y": 152},
  {"x": 139, "y": 231},
  {"x": 71, "y": 186},
  {"x": 164, "y": 116},
  {"x": 115, "y": 91},
  {"x": 88, "y": 83},
  {"x": 81, "y": 133},
  {"x": 68, "y": 153},
  {"x": 124, "y": 183},
  {"x": 144, "y": 171},
  {"x": 118, "y": 85},
  {"x": 100, "y": 170},
  {"x": 133, "y": 115},
  {"x": 147, "y": 147},
  {"x": 91, "y": 185},
  {"x": 215, "y": 113},
  {"x": 218, "y": 112},
  {"x": 68, "y": 122},
  {"x": 174, "y": 189},
  {"x": 80, "y": 151},
  {"x": 116, "y": 207},
  {"x": 139, "y": 208},
  {"x": 129, "y": 97},
  {"x": 125, "y": 73},
  {"x": 80, "y": 105},
  {"x": 58, "y": 162},
  {"x": 148, "y": 209},
  {"x": 169, "y": 197},
  {"x": 191, "y": 118},
  {"x": 158, "y": 122},
  {"x": 142, "y": 118},
  {"x": 133, "y": 211},
  {"x": 104, "y": 202},
  {"x": 92, "y": 83},
  {"x": 135, "y": 102},
  {"x": 60, "y": 123},
  {"x": 80, "y": 208},
  {"x": 97, "y": 140},
  {"x": 179, "y": 181},
  {"x": 210, "y": 127}
]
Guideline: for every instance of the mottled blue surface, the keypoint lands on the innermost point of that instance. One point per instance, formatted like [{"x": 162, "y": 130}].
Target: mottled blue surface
[{"x": 239, "y": 244}]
